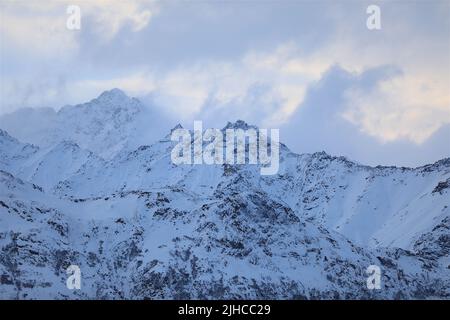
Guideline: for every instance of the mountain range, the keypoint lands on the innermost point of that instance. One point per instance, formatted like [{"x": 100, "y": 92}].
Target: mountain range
[{"x": 85, "y": 186}]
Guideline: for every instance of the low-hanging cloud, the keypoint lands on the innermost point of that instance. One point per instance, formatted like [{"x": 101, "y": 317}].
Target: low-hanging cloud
[
  {"x": 321, "y": 123},
  {"x": 262, "y": 63}
]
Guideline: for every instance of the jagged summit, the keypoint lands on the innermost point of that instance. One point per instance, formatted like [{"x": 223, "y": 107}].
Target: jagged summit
[
  {"x": 178, "y": 126},
  {"x": 113, "y": 101},
  {"x": 67, "y": 144},
  {"x": 239, "y": 124},
  {"x": 5, "y": 134},
  {"x": 177, "y": 231},
  {"x": 113, "y": 94},
  {"x": 169, "y": 134}
]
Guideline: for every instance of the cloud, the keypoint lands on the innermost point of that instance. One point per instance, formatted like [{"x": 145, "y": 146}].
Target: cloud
[
  {"x": 321, "y": 123},
  {"x": 107, "y": 17},
  {"x": 270, "y": 85},
  {"x": 267, "y": 88},
  {"x": 258, "y": 62},
  {"x": 41, "y": 28},
  {"x": 28, "y": 29},
  {"x": 401, "y": 107},
  {"x": 40, "y": 57}
]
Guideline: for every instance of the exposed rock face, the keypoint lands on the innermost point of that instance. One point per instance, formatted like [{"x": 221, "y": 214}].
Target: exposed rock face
[{"x": 140, "y": 227}]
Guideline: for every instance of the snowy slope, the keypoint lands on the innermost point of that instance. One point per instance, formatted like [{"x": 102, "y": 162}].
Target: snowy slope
[
  {"x": 371, "y": 206},
  {"x": 58, "y": 163},
  {"x": 44, "y": 166},
  {"x": 13, "y": 153},
  {"x": 93, "y": 195},
  {"x": 174, "y": 245},
  {"x": 104, "y": 125}
]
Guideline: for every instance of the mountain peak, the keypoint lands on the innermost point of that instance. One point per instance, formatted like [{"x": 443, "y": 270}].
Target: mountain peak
[
  {"x": 178, "y": 126},
  {"x": 167, "y": 137},
  {"x": 113, "y": 94},
  {"x": 239, "y": 124},
  {"x": 7, "y": 136},
  {"x": 3, "y": 133}
]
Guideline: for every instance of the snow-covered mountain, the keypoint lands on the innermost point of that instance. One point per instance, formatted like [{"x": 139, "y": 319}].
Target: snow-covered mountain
[
  {"x": 104, "y": 125},
  {"x": 87, "y": 193}
]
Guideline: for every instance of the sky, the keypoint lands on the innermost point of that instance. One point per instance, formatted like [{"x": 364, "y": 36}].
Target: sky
[{"x": 310, "y": 68}]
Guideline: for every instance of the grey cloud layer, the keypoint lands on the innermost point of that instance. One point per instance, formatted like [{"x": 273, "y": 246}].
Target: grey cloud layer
[{"x": 272, "y": 64}]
